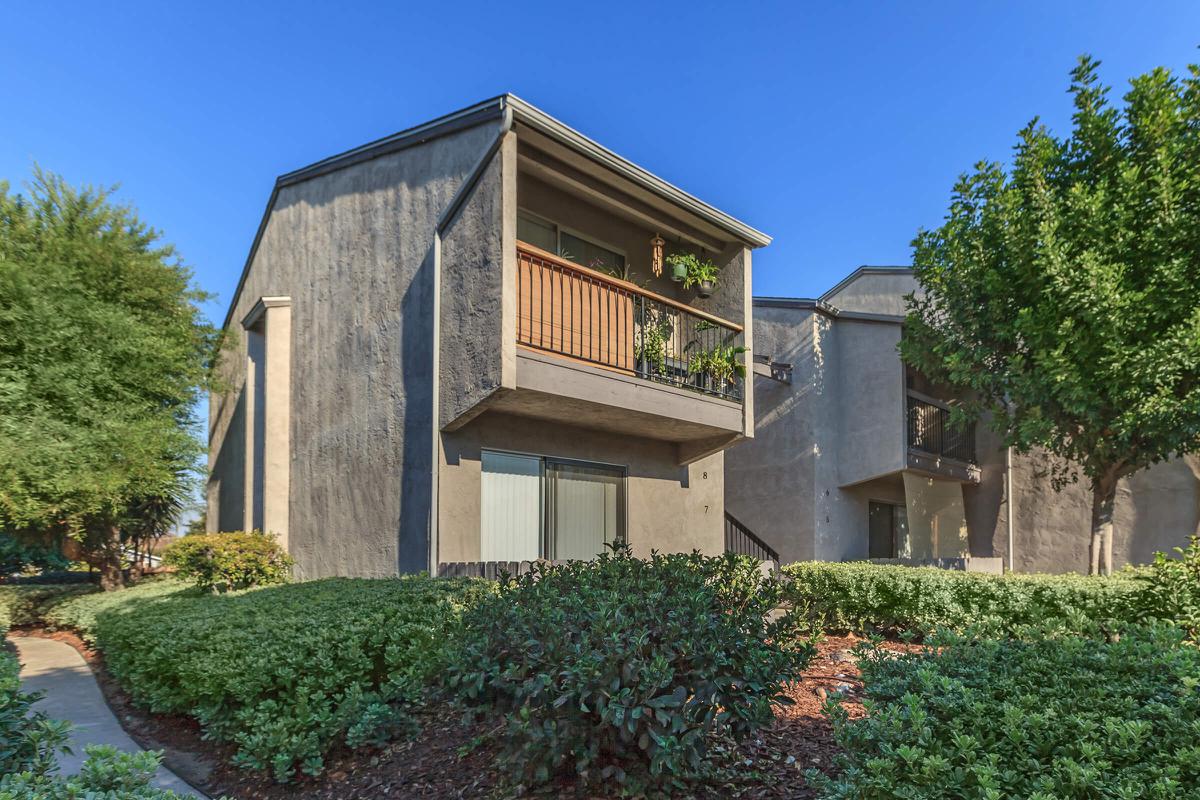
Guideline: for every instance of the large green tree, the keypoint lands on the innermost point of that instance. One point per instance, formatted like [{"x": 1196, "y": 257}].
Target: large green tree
[
  {"x": 103, "y": 353},
  {"x": 1063, "y": 293}
]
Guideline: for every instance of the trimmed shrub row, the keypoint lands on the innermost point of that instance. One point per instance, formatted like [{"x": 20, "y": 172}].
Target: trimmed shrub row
[
  {"x": 1043, "y": 718},
  {"x": 864, "y": 598},
  {"x": 286, "y": 672}
]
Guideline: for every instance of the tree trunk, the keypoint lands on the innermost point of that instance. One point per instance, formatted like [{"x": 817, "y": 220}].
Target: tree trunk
[
  {"x": 110, "y": 565},
  {"x": 1104, "y": 494}
]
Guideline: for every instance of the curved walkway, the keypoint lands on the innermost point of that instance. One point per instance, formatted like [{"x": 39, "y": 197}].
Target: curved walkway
[{"x": 71, "y": 693}]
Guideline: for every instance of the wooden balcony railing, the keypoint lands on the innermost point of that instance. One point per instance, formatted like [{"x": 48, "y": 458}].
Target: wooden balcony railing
[{"x": 574, "y": 311}]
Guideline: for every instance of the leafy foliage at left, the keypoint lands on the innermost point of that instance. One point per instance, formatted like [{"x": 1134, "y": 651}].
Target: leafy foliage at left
[
  {"x": 107, "y": 774},
  {"x": 103, "y": 352},
  {"x": 285, "y": 673}
]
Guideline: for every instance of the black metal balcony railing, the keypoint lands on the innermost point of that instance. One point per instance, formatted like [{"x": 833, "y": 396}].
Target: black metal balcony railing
[
  {"x": 574, "y": 311},
  {"x": 741, "y": 540},
  {"x": 930, "y": 431}
]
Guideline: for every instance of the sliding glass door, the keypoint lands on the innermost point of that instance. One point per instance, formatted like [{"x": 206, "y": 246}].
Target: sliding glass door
[
  {"x": 534, "y": 507},
  {"x": 585, "y": 507}
]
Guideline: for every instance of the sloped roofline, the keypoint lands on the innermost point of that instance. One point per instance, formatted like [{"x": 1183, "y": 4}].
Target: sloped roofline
[
  {"x": 480, "y": 113},
  {"x": 860, "y": 272}
]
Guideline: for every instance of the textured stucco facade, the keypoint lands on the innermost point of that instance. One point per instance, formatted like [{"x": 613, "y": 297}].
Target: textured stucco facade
[
  {"x": 351, "y": 425},
  {"x": 833, "y": 441}
]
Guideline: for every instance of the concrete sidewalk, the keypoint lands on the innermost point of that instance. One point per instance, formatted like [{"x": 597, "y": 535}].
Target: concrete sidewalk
[{"x": 71, "y": 694}]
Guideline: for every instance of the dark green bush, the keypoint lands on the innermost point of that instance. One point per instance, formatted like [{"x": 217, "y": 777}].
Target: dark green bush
[
  {"x": 1047, "y": 719},
  {"x": 620, "y": 670},
  {"x": 286, "y": 672},
  {"x": 865, "y": 598},
  {"x": 220, "y": 562}
]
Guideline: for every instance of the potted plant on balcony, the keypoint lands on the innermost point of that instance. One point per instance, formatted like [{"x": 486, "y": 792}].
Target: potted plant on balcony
[
  {"x": 680, "y": 264},
  {"x": 715, "y": 369},
  {"x": 702, "y": 275}
]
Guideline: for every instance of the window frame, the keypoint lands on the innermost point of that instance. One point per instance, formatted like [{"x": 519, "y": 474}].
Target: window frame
[{"x": 560, "y": 229}]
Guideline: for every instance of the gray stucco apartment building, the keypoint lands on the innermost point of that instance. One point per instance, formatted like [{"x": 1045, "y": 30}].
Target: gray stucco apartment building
[
  {"x": 455, "y": 344},
  {"x": 854, "y": 458}
]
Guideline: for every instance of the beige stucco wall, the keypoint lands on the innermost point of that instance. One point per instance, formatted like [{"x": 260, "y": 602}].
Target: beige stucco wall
[{"x": 671, "y": 508}]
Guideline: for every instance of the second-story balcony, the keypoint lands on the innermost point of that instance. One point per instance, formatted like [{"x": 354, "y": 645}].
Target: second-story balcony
[
  {"x": 572, "y": 311},
  {"x": 938, "y": 444}
]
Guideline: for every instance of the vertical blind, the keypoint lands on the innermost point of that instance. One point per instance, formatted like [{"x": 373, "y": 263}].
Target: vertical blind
[
  {"x": 583, "y": 505},
  {"x": 510, "y": 507},
  {"x": 543, "y": 508}
]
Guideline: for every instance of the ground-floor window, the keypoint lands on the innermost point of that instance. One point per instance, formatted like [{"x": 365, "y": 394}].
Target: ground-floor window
[
  {"x": 887, "y": 529},
  {"x": 541, "y": 507}
]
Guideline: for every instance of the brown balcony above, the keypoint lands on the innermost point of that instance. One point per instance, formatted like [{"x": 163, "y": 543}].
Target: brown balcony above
[
  {"x": 602, "y": 352},
  {"x": 936, "y": 446}
]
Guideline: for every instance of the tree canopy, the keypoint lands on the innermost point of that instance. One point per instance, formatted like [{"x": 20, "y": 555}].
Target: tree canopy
[
  {"x": 103, "y": 354},
  {"x": 1063, "y": 293}
]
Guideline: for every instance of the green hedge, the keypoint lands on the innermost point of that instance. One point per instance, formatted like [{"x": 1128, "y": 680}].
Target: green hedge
[
  {"x": 1054, "y": 718},
  {"x": 863, "y": 597},
  {"x": 285, "y": 672}
]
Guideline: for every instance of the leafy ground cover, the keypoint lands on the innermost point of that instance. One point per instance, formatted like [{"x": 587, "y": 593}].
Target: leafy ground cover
[
  {"x": 1045, "y": 718},
  {"x": 316, "y": 683}
]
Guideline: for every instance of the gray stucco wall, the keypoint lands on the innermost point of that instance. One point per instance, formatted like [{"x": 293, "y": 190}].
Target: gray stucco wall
[
  {"x": 869, "y": 398},
  {"x": 671, "y": 508},
  {"x": 475, "y": 278},
  {"x": 1156, "y": 510},
  {"x": 352, "y": 248},
  {"x": 875, "y": 293},
  {"x": 769, "y": 480}
]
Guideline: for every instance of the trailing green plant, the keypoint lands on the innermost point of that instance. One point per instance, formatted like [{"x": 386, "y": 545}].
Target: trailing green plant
[
  {"x": 698, "y": 270},
  {"x": 865, "y": 598},
  {"x": 721, "y": 363},
  {"x": 220, "y": 562},
  {"x": 621, "y": 671},
  {"x": 284, "y": 673},
  {"x": 652, "y": 337},
  {"x": 1049, "y": 718},
  {"x": 1173, "y": 589},
  {"x": 106, "y": 774}
]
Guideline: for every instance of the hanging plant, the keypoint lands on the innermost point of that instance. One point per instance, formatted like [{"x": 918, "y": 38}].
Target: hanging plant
[
  {"x": 698, "y": 272},
  {"x": 680, "y": 264}
]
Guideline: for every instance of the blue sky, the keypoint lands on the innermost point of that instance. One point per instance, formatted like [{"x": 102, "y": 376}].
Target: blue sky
[{"x": 838, "y": 128}]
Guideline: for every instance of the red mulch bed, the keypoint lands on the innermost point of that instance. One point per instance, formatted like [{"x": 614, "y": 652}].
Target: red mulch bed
[{"x": 450, "y": 758}]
